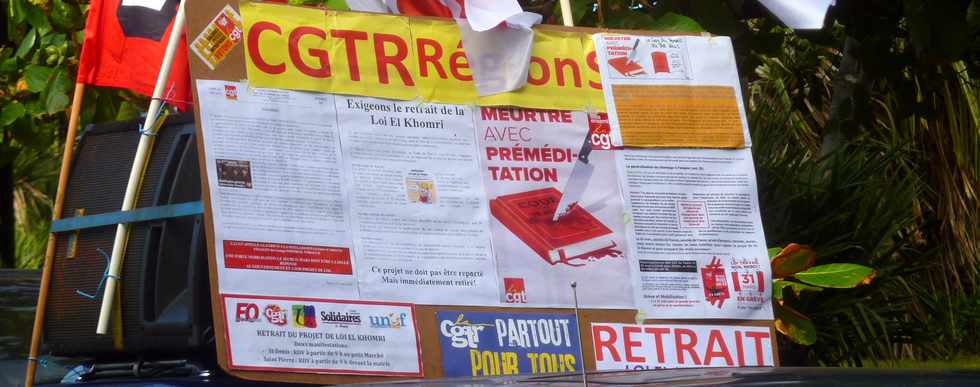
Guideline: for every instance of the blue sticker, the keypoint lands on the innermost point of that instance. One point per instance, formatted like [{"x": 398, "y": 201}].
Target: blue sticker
[{"x": 476, "y": 344}]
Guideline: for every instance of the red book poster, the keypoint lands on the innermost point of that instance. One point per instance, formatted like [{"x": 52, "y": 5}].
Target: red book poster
[{"x": 537, "y": 163}]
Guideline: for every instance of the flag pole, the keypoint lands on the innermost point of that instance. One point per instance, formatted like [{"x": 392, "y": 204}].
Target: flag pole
[
  {"x": 566, "y": 13},
  {"x": 59, "y": 201},
  {"x": 136, "y": 174}
]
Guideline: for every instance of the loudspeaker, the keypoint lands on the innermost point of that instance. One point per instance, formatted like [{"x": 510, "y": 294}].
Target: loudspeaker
[{"x": 164, "y": 290}]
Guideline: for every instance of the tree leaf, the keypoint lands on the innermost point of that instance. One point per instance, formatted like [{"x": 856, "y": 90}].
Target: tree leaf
[
  {"x": 794, "y": 325},
  {"x": 13, "y": 111},
  {"x": 796, "y": 287},
  {"x": 56, "y": 102},
  {"x": 37, "y": 77},
  {"x": 773, "y": 252},
  {"x": 27, "y": 43},
  {"x": 837, "y": 275},
  {"x": 675, "y": 23},
  {"x": 37, "y": 19},
  {"x": 61, "y": 82},
  {"x": 793, "y": 259},
  {"x": 17, "y": 12},
  {"x": 65, "y": 14}
]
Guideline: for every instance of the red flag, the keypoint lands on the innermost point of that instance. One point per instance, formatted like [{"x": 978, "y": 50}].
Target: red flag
[
  {"x": 125, "y": 41},
  {"x": 442, "y": 8}
]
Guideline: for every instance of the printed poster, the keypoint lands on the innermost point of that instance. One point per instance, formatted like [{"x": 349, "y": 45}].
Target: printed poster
[
  {"x": 672, "y": 91},
  {"x": 278, "y": 199},
  {"x": 321, "y": 336},
  {"x": 532, "y": 160},
  {"x": 696, "y": 234},
  {"x": 620, "y": 347},
  {"x": 418, "y": 208},
  {"x": 477, "y": 344}
]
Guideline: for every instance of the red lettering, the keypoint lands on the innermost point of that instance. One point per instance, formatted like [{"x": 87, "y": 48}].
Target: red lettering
[
  {"x": 739, "y": 350},
  {"x": 715, "y": 339},
  {"x": 457, "y": 62},
  {"x": 590, "y": 60},
  {"x": 256, "y": 54},
  {"x": 350, "y": 45},
  {"x": 324, "y": 70},
  {"x": 424, "y": 58},
  {"x": 758, "y": 336},
  {"x": 686, "y": 347},
  {"x": 545, "y": 73},
  {"x": 488, "y": 113},
  {"x": 608, "y": 343},
  {"x": 396, "y": 60},
  {"x": 630, "y": 344},
  {"x": 658, "y": 334},
  {"x": 560, "y": 75}
]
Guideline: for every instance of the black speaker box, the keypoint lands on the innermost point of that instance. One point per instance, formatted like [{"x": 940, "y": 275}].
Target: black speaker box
[{"x": 164, "y": 290}]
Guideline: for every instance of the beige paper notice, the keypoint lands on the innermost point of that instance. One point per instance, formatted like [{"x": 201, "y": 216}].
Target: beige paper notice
[{"x": 678, "y": 116}]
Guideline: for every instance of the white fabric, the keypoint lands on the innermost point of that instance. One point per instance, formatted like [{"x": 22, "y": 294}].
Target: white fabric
[{"x": 800, "y": 14}]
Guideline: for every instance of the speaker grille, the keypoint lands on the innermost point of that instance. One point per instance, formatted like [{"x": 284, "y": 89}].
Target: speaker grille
[{"x": 99, "y": 174}]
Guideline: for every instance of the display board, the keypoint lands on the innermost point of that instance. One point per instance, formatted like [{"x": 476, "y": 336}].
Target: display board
[{"x": 370, "y": 218}]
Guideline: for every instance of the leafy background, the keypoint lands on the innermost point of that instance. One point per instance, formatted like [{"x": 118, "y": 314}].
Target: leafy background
[{"x": 865, "y": 140}]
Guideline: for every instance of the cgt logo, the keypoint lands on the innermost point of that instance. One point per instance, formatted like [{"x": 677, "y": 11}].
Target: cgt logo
[
  {"x": 246, "y": 311},
  {"x": 462, "y": 333},
  {"x": 275, "y": 314},
  {"x": 304, "y": 316},
  {"x": 514, "y": 292},
  {"x": 394, "y": 320}
]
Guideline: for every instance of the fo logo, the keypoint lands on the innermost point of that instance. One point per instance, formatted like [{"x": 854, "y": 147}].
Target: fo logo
[
  {"x": 231, "y": 92},
  {"x": 514, "y": 292},
  {"x": 275, "y": 314},
  {"x": 246, "y": 311}
]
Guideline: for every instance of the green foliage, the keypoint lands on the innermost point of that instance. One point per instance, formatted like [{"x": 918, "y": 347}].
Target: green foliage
[
  {"x": 797, "y": 261},
  {"x": 38, "y": 62},
  {"x": 836, "y": 275}
]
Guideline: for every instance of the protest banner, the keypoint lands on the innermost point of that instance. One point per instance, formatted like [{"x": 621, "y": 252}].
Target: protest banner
[
  {"x": 479, "y": 344},
  {"x": 642, "y": 347},
  {"x": 337, "y": 171}
]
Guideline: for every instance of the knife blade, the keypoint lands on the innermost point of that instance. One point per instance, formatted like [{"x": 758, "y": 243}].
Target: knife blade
[
  {"x": 578, "y": 180},
  {"x": 632, "y": 57}
]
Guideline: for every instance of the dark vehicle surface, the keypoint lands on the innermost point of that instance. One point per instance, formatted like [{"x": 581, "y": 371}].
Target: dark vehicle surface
[{"x": 18, "y": 296}]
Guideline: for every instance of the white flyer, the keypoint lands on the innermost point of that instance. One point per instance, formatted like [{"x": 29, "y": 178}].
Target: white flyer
[
  {"x": 418, "y": 207},
  {"x": 534, "y": 162},
  {"x": 631, "y": 347},
  {"x": 695, "y": 235},
  {"x": 277, "y": 192},
  {"x": 672, "y": 91},
  {"x": 320, "y": 336}
]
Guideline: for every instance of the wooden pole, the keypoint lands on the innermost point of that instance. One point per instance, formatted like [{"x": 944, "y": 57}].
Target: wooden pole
[
  {"x": 59, "y": 201},
  {"x": 566, "y": 13},
  {"x": 136, "y": 174}
]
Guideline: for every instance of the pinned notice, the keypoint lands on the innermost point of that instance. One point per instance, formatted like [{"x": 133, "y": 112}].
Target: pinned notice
[
  {"x": 672, "y": 91},
  {"x": 678, "y": 116}
]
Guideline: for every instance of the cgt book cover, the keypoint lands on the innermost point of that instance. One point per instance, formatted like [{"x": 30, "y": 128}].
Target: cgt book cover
[{"x": 556, "y": 208}]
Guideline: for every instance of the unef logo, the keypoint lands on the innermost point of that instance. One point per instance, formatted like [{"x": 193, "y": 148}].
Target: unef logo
[
  {"x": 304, "y": 316},
  {"x": 231, "y": 92},
  {"x": 393, "y": 320},
  {"x": 461, "y": 333},
  {"x": 514, "y": 292},
  {"x": 275, "y": 314},
  {"x": 246, "y": 311}
]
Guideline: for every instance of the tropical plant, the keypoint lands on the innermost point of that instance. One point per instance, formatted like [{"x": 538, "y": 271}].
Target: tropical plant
[
  {"x": 793, "y": 268},
  {"x": 39, "y": 49}
]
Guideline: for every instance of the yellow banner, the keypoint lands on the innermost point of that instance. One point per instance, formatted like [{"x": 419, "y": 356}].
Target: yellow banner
[{"x": 405, "y": 58}]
